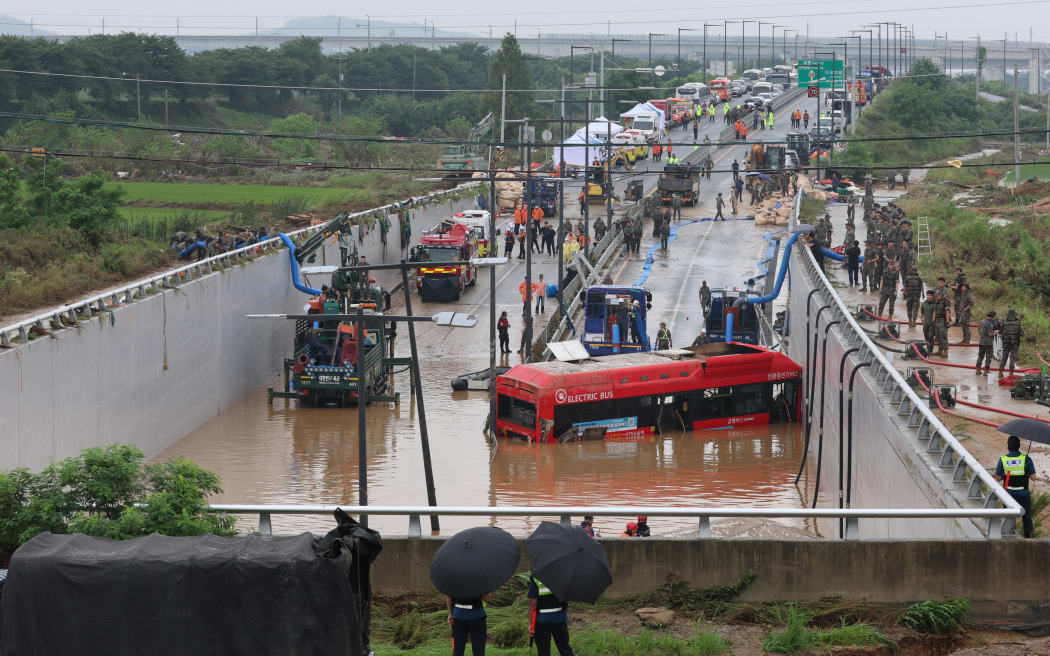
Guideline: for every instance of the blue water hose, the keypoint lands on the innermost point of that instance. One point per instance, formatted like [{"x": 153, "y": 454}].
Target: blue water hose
[
  {"x": 780, "y": 275},
  {"x": 647, "y": 266},
  {"x": 295, "y": 267},
  {"x": 769, "y": 252},
  {"x": 192, "y": 247},
  {"x": 838, "y": 257},
  {"x": 729, "y": 327}
]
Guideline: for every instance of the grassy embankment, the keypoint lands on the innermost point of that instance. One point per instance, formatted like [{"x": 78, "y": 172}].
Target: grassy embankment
[
  {"x": 50, "y": 266},
  {"x": 707, "y": 622}
]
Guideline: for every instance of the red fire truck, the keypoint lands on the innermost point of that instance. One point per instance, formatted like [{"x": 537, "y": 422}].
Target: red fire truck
[
  {"x": 443, "y": 254},
  {"x": 632, "y": 396}
]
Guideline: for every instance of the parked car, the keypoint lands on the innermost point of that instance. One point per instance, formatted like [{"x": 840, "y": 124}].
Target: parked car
[{"x": 767, "y": 99}]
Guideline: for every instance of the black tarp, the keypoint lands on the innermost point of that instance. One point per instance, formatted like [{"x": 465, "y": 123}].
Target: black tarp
[{"x": 157, "y": 595}]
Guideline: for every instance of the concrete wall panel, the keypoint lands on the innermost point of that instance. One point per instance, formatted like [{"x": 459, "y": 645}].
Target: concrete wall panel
[{"x": 159, "y": 367}]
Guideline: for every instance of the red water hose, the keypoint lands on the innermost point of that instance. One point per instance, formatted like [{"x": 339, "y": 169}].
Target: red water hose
[
  {"x": 922, "y": 357},
  {"x": 972, "y": 325},
  {"x": 870, "y": 313},
  {"x": 937, "y": 399},
  {"x": 901, "y": 341}
]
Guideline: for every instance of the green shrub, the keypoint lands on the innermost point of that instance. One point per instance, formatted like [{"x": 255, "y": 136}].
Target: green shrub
[
  {"x": 510, "y": 633},
  {"x": 409, "y": 633},
  {"x": 106, "y": 491},
  {"x": 941, "y": 617},
  {"x": 798, "y": 637}
]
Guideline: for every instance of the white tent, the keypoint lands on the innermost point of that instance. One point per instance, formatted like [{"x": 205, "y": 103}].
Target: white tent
[
  {"x": 601, "y": 126},
  {"x": 578, "y": 155},
  {"x": 646, "y": 108}
]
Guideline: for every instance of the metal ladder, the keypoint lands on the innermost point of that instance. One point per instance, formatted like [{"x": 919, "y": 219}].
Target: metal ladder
[{"x": 922, "y": 241}]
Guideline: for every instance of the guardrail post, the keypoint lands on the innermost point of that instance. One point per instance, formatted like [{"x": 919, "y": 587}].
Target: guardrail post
[
  {"x": 852, "y": 528},
  {"x": 415, "y": 529},
  {"x": 566, "y": 519},
  {"x": 705, "y": 527},
  {"x": 264, "y": 524}
]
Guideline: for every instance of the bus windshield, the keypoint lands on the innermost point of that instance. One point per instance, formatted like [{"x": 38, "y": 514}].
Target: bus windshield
[{"x": 643, "y": 124}]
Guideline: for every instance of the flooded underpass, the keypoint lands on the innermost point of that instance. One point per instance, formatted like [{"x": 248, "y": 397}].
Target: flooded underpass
[{"x": 302, "y": 455}]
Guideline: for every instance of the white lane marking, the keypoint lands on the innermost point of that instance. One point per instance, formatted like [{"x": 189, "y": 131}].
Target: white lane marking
[{"x": 692, "y": 261}]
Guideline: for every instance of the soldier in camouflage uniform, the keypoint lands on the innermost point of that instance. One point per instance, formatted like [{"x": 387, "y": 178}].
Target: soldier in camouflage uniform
[
  {"x": 941, "y": 317},
  {"x": 986, "y": 332},
  {"x": 888, "y": 288},
  {"x": 867, "y": 267},
  {"x": 851, "y": 206},
  {"x": 928, "y": 309},
  {"x": 913, "y": 295},
  {"x": 880, "y": 263},
  {"x": 1012, "y": 333},
  {"x": 965, "y": 304},
  {"x": 906, "y": 257},
  {"x": 960, "y": 279},
  {"x": 820, "y": 231},
  {"x": 869, "y": 204},
  {"x": 851, "y": 235}
]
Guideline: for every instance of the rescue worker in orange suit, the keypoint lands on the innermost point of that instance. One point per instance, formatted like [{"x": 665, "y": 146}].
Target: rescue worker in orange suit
[
  {"x": 508, "y": 244},
  {"x": 521, "y": 244},
  {"x": 519, "y": 217},
  {"x": 657, "y": 151}
]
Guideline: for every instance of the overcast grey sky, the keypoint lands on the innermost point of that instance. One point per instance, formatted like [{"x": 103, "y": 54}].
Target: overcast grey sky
[{"x": 962, "y": 19}]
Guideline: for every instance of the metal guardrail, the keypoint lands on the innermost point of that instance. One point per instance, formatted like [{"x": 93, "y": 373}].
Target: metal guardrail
[
  {"x": 70, "y": 315},
  {"x": 565, "y": 514},
  {"x": 940, "y": 444}
]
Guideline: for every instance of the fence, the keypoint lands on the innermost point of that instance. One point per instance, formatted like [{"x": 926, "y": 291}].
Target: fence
[
  {"x": 937, "y": 447},
  {"x": 70, "y": 315}
]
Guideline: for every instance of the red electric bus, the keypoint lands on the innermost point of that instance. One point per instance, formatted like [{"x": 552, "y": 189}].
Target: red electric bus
[
  {"x": 720, "y": 87},
  {"x": 631, "y": 396}
]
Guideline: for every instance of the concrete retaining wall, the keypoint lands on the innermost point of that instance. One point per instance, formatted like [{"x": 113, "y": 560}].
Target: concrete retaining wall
[
  {"x": 889, "y": 468},
  {"x": 895, "y": 571},
  {"x": 158, "y": 368}
]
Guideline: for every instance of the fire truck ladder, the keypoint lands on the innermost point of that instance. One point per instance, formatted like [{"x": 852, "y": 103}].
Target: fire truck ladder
[{"x": 922, "y": 240}]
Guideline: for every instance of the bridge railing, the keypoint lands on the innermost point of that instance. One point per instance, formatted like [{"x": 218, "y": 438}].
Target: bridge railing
[
  {"x": 84, "y": 309},
  {"x": 946, "y": 451},
  {"x": 702, "y": 514}
]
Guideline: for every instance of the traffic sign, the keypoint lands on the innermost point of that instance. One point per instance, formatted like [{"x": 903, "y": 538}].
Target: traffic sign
[
  {"x": 823, "y": 73},
  {"x": 814, "y": 92}
]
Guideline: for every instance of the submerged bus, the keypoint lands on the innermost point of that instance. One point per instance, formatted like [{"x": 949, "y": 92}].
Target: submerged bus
[{"x": 633, "y": 396}]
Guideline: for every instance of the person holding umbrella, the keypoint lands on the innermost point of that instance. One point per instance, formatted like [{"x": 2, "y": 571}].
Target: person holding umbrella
[
  {"x": 567, "y": 565},
  {"x": 466, "y": 569},
  {"x": 548, "y": 618},
  {"x": 1015, "y": 469}
]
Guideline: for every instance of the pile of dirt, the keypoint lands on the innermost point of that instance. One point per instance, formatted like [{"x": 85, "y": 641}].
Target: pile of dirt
[{"x": 509, "y": 188}]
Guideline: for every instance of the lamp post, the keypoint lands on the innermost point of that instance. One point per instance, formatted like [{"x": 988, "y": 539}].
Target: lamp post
[
  {"x": 773, "y": 47},
  {"x": 877, "y": 26},
  {"x": 785, "y": 34},
  {"x": 650, "y": 64},
  {"x": 743, "y": 40},
  {"x": 870, "y": 34},
  {"x": 680, "y": 30},
  {"x": 759, "y": 57},
  {"x": 706, "y": 25},
  {"x": 725, "y": 48}
]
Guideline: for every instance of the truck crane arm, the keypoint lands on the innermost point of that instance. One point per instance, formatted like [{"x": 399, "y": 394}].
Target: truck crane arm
[{"x": 304, "y": 252}]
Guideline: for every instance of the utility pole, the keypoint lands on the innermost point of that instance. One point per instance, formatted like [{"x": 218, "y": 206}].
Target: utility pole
[
  {"x": 138, "y": 95},
  {"x": 503, "y": 113},
  {"x": 165, "y": 108},
  {"x": 1017, "y": 135},
  {"x": 527, "y": 341}
]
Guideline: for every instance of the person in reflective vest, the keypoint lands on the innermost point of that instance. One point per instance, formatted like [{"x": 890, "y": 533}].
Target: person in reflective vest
[
  {"x": 547, "y": 619},
  {"x": 663, "y": 337},
  {"x": 467, "y": 619},
  {"x": 1015, "y": 469}
]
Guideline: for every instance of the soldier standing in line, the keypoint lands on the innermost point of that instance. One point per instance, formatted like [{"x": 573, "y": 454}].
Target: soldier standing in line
[
  {"x": 965, "y": 300},
  {"x": 960, "y": 279},
  {"x": 851, "y": 206},
  {"x": 637, "y": 235},
  {"x": 1012, "y": 334},
  {"x": 851, "y": 234},
  {"x": 867, "y": 267},
  {"x": 940, "y": 319},
  {"x": 912, "y": 295},
  {"x": 888, "y": 288},
  {"x": 820, "y": 231},
  {"x": 869, "y": 204},
  {"x": 929, "y": 312},
  {"x": 880, "y": 264},
  {"x": 986, "y": 332},
  {"x": 676, "y": 203},
  {"x": 830, "y": 230}
]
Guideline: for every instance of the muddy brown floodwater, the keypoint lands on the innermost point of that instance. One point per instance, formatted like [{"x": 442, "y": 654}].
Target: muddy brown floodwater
[{"x": 295, "y": 455}]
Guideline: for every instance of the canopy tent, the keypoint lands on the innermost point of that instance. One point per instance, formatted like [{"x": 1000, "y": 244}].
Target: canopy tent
[
  {"x": 646, "y": 108},
  {"x": 601, "y": 126},
  {"x": 577, "y": 155}
]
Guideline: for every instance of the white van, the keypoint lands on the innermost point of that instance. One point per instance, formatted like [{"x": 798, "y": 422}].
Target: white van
[{"x": 648, "y": 125}]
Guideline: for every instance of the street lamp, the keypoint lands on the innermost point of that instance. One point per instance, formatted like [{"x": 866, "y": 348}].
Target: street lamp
[
  {"x": 760, "y": 24},
  {"x": 773, "y": 48},
  {"x": 706, "y": 25},
  {"x": 877, "y": 26},
  {"x": 785, "y": 48},
  {"x": 680, "y": 30},
  {"x": 743, "y": 39},
  {"x": 650, "y": 64},
  {"x": 725, "y": 48},
  {"x": 870, "y": 33}
]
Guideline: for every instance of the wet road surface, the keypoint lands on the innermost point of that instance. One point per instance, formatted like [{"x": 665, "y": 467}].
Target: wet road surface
[{"x": 304, "y": 455}]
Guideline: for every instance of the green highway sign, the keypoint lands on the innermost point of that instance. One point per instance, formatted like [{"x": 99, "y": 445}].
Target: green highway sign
[{"x": 823, "y": 73}]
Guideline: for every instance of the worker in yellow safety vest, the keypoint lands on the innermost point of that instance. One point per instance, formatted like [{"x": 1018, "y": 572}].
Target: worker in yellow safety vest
[{"x": 1015, "y": 469}]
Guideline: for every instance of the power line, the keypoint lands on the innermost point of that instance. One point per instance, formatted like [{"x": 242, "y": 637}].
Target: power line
[
  {"x": 343, "y": 166},
  {"x": 457, "y": 142}
]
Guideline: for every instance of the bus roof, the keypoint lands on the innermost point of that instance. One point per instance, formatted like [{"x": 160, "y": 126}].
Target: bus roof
[{"x": 544, "y": 375}]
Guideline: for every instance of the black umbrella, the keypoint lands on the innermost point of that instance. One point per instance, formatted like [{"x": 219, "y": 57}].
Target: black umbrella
[
  {"x": 475, "y": 562},
  {"x": 571, "y": 563},
  {"x": 1028, "y": 429}
]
